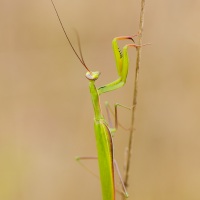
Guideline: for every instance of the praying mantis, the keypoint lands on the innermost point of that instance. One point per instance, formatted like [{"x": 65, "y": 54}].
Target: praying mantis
[{"x": 103, "y": 132}]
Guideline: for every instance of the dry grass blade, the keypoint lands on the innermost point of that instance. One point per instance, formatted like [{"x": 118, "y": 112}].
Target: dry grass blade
[{"x": 135, "y": 92}]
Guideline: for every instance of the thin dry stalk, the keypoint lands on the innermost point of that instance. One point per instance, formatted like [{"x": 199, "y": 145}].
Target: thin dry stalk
[{"x": 135, "y": 94}]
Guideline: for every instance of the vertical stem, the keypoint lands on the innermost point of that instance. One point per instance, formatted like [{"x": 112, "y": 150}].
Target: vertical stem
[{"x": 135, "y": 94}]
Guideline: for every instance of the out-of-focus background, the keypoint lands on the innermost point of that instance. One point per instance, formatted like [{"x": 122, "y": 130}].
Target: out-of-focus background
[{"x": 46, "y": 117}]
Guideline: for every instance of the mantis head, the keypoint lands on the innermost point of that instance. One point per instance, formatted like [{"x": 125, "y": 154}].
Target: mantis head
[{"x": 92, "y": 75}]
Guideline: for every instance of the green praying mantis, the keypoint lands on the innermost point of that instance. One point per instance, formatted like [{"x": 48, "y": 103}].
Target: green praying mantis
[{"x": 103, "y": 132}]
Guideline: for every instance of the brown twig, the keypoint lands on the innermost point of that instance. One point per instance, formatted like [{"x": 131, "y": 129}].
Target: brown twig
[{"x": 135, "y": 94}]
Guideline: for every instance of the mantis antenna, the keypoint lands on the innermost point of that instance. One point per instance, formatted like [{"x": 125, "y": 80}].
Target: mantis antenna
[{"x": 79, "y": 57}]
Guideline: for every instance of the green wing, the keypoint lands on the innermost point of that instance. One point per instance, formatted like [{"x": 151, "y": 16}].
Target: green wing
[{"x": 105, "y": 160}]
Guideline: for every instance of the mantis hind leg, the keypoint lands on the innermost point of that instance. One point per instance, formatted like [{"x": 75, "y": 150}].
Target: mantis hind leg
[
  {"x": 121, "y": 180},
  {"x": 78, "y": 159}
]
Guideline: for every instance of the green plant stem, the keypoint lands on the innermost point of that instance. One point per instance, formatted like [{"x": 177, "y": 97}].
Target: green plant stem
[{"x": 135, "y": 95}]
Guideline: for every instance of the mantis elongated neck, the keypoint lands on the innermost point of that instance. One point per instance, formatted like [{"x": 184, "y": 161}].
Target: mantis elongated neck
[{"x": 95, "y": 100}]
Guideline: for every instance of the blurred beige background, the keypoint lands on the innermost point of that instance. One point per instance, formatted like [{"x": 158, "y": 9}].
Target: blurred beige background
[{"x": 46, "y": 117}]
